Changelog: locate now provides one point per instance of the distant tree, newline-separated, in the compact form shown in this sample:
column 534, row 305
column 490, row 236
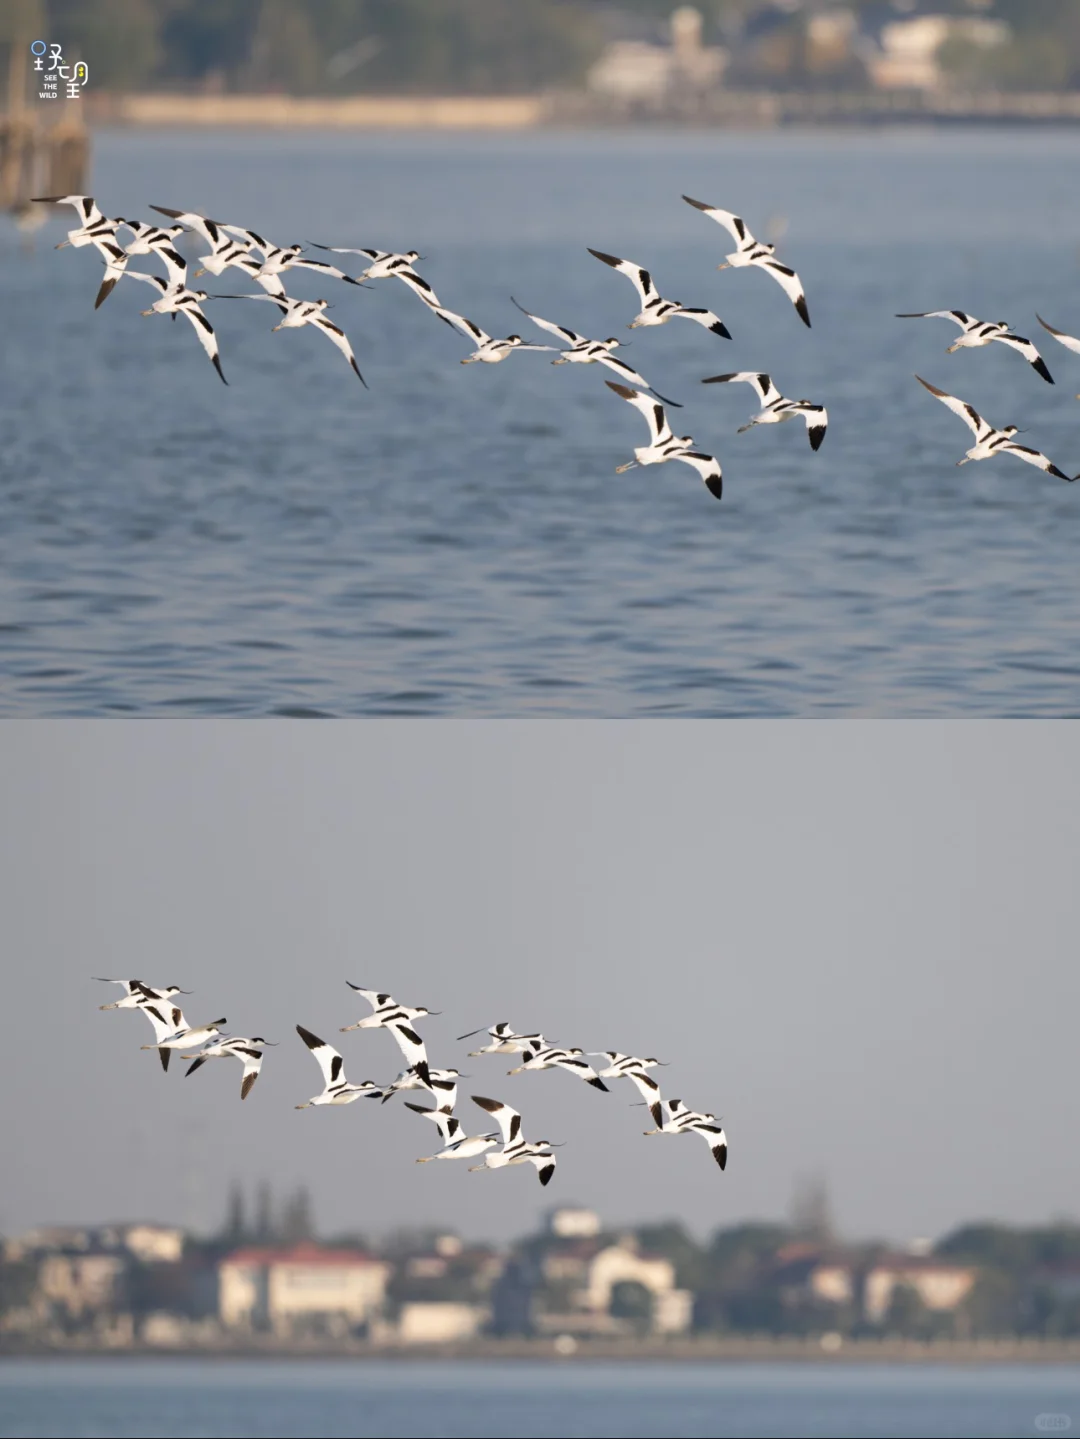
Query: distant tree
column 234, row 1230
column 118, row 39
column 296, row 1222
column 265, row 1229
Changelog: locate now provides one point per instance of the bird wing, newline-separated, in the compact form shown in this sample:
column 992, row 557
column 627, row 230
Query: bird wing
column 1033, row 457
column 817, row 422
column 715, row 1138
column 708, row 467
column 372, row 255
column 305, row 264
column 83, row 204
column 649, row 1090
column 508, row 1120
column 130, row 985
column 581, row 1069
column 166, row 1019
column 1069, row 341
column 175, row 264
column 207, row 339
column 958, row 317
column 1029, row 352
column 158, row 280
column 419, row 286
column 735, row 225
column 564, row 334
column 462, row 325
column 622, row 368
column 790, row 283
column 447, row 1124
column 207, row 228
column 250, row 236
column 412, row 1047
column 545, row 1165
column 378, row 999
column 327, row 1057
column 659, row 429
column 970, row 416
column 338, row 337
column 270, row 283
column 704, row 317
column 252, row 1060
column 767, row 392
column 640, row 278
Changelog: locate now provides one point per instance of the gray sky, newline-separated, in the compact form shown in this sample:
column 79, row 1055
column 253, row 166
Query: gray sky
column 854, row 941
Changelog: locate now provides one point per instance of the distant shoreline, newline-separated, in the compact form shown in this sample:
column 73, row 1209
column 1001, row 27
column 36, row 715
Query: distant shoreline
column 715, row 1351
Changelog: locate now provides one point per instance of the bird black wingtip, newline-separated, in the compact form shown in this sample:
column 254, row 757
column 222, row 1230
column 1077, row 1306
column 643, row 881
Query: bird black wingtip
column 715, row 488
column 598, row 1083
column 600, row 255
column 722, row 330
column 697, row 204
column 718, row 379
column 624, row 390
column 803, row 312
column 1039, row 366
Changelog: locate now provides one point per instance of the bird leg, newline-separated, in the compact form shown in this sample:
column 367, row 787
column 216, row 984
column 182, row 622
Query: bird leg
column 632, row 464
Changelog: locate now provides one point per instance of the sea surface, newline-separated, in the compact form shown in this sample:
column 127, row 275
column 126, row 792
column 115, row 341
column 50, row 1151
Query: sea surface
column 454, row 540
column 118, row 1398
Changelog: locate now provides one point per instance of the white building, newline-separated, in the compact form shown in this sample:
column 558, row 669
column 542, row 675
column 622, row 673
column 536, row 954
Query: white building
column 424, row 1322
column 286, row 1290
column 940, row 1285
column 634, row 72
column 672, row 1308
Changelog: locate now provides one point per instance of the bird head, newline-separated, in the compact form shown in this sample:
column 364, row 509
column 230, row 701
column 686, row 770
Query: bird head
column 612, row 343
column 514, row 340
column 1010, row 430
column 201, row 295
column 412, row 255
column 296, row 249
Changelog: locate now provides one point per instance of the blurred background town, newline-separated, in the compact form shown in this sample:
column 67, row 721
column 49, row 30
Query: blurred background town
column 266, row 1282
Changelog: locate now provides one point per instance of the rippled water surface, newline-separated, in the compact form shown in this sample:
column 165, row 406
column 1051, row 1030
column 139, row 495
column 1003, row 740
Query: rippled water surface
column 455, row 540
column 309, row 1397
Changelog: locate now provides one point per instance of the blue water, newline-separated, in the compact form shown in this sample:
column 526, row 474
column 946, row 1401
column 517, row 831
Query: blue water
column 456, row 541
column 654, row 1401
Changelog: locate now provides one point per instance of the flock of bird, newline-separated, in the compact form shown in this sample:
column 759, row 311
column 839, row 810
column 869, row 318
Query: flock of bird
column 264, row 263
column 497, row 1149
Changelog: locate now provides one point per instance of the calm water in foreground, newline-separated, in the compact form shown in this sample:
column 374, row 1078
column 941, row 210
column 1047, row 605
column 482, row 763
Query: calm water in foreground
column 309, row 1397
column 456, row 541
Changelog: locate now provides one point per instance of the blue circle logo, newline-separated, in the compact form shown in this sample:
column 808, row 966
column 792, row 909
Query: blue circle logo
column 38, row 47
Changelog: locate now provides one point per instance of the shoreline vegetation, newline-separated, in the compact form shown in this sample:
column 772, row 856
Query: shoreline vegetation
column 813, row 1349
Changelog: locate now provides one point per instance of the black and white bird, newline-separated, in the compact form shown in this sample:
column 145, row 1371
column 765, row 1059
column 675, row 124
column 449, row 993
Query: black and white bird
column 775, row 408
column 592, row 352
column 165, row 1020
column 664, row 446
column 755, row 252
column 297, row 313
column 336, row 1088
column 681, row 1120
column 515, row 1150
column 572, row 1060
column 628, row 1066
column 505, row 1040
column 1069, row 341
column 136, row 991
column 976, row 333
column 148, row 240
column 183, row 1035
column 388, row 265
column 225, row 250
column 988, row 440
column 385, row 1010
column 248, row 1051
column 488, row 351
column 456, row 1143
column 441, row 1084
column 279, row 258
column 174, row 298
column 655, row 310
column 95, row 228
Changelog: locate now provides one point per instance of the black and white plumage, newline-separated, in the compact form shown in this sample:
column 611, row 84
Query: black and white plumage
column 572, row 1060
column 225, row 249
column 248, row 1051
column 592, row 352
column 148, row 240
column 95, row 229
column 775, row 408
column 183, row 1035
column 165, row 1020
column 488, row 351
column 755, row 252
column 336, row 1088
column 174, row 298
column 456, row 1143
column 441, row 1084
column 385, row 1010
column 297, row 313
column 1069, row 341
column 515, row 1150
column 136, row 991
column 655, row 310
column 388, row 265
column 279, row 258
column 505, row 1040
column 664, row 446
column 988, row 440
column 976, row 333
column 628, row 1066
column 681, row 1120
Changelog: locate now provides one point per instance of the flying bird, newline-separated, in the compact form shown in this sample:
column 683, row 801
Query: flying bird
column 589, row 352
column 488, row 351
column 1069, row 341
column 135, row 991
column 755, row 252
column 655, row 310
column 504, row 1040
column 988, row 440
column 571, row 1060
column 248, row 1051
column 775, row 409
column 628, row 1066
column 336, row 1088
column 976, row 333
column 297, row 313
column 515, row 1149
column 664, row 446
column 681, row 1120
column 456, row 1143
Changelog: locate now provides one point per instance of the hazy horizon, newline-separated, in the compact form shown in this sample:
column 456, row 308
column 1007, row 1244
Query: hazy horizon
column 852, row 941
